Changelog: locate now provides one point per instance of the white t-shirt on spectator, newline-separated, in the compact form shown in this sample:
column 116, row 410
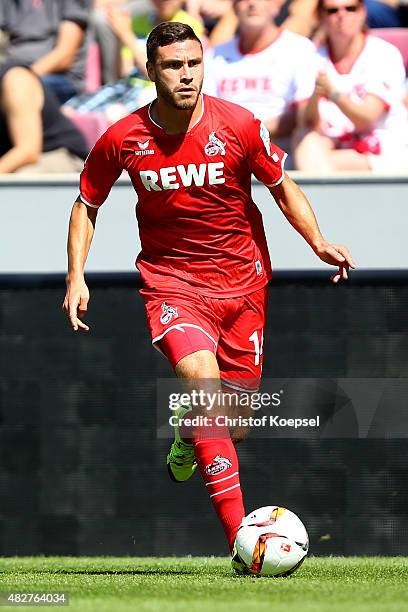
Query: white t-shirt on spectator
column 267, row 82
column 378, row 70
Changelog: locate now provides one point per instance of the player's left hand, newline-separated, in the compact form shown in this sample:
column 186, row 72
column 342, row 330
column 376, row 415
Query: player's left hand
column 336, row 255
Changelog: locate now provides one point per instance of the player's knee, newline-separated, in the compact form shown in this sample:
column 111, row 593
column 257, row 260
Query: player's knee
column 198, row 365
column 239, row 434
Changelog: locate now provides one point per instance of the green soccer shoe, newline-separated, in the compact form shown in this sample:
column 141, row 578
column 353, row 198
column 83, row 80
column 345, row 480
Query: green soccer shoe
column 181, row 463
column 236, row 563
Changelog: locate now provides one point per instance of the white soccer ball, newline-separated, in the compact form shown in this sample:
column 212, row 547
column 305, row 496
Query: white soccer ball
column 271, row 541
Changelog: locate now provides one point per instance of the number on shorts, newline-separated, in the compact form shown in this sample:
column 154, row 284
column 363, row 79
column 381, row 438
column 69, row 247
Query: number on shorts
column 258, row 346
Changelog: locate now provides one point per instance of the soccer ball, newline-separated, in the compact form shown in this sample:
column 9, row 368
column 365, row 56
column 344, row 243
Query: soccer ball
column 271, row 541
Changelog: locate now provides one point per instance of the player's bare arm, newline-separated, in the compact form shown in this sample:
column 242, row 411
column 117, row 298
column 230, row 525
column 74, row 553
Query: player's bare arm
column 81, row 230
column 296, row 208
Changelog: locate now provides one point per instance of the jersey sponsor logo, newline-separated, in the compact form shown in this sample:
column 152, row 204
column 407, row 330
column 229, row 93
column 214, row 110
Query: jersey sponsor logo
column 172, row 177
column 143, row 150
column 219, row 464
column 214, row 145
column 169, row 312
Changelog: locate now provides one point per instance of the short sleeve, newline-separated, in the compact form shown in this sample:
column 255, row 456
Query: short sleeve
column 102, row 168
column 265, row 159
column 77, row 11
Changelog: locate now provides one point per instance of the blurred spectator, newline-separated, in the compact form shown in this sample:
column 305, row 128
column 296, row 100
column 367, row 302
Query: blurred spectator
column 210, row 12
column 298, row 16
column 48, row 35
column 125, row 95
column 108, row 42
column 34, row 135
column 117, row 22
column 114, row 100
column 264, row 68
column 355, row 119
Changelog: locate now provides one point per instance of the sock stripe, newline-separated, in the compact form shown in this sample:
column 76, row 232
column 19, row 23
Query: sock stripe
column 226, row 495
column 225, row 490
column 220, row 479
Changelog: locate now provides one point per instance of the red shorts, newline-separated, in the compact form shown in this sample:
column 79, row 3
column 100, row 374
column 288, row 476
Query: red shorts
column 182, row 323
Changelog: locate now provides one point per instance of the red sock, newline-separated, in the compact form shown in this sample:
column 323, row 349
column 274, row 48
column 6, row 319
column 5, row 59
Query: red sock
column 218, row 464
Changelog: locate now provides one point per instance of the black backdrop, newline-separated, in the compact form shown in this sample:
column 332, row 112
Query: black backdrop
column 82, row 470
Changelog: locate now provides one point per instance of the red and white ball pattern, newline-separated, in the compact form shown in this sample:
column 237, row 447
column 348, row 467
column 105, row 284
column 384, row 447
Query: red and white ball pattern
column 272, row 541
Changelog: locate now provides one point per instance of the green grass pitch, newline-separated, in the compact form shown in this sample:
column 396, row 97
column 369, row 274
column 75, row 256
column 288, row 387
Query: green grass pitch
column 112, row 584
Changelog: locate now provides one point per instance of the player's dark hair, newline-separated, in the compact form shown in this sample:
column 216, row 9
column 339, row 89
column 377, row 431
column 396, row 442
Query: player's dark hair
column 167, row 33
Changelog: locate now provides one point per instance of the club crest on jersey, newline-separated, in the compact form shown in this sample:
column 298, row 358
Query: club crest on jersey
column 219, row 464
column 168, row 313
column 143, row 150
column 214, row 145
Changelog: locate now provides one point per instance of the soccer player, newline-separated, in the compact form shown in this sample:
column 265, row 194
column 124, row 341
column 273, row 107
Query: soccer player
column 204, row 261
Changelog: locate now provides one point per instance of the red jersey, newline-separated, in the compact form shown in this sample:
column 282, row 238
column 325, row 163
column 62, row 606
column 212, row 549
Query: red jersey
column 199, row 227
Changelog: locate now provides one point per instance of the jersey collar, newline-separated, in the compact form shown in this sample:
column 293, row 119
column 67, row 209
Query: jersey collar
column 192, row 127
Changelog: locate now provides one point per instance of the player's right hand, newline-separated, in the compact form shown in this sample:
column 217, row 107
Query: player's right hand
column 336, row 255
column 76, row 304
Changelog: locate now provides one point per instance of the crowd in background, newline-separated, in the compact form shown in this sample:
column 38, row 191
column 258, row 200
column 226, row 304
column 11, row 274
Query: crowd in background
column 329, row 90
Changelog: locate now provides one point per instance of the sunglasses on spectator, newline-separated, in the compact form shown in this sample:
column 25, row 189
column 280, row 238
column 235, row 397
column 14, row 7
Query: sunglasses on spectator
column 350, row 8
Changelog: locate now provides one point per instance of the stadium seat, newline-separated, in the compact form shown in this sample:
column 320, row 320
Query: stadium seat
column 397, row 37
column 91, row 125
